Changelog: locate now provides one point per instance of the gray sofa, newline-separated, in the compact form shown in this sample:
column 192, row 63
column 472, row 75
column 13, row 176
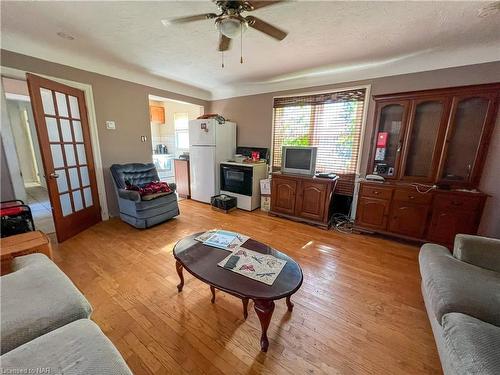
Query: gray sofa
column 135, row 210
column 45, row 324
column 462, row 296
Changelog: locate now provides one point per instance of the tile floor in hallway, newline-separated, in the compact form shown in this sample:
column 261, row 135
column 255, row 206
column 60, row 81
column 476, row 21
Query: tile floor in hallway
column 38, row 200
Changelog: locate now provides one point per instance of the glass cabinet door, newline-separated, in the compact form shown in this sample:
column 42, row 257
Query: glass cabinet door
column 388, row 140
column 463, row 139
column 425, row 128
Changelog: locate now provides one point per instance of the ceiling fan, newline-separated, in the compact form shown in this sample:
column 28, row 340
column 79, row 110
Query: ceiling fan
column 231, row 23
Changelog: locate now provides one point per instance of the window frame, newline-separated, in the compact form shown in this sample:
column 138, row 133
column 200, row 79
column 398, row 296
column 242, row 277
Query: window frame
column 367, row 89
column 181, row 130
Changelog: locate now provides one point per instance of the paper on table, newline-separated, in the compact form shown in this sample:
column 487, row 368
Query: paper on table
column 222, row 239
column 205, row 236
column 261, row 267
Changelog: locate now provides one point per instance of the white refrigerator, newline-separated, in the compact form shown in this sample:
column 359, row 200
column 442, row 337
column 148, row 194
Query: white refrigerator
column 210, row 143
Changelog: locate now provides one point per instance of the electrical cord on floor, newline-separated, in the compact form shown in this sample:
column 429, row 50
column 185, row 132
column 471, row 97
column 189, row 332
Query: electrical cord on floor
column 342, row 223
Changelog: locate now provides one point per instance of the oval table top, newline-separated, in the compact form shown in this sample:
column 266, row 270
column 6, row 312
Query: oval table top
column 201, row 261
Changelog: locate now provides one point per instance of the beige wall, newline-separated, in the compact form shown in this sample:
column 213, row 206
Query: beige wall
column 253, row 114
column 124, row 102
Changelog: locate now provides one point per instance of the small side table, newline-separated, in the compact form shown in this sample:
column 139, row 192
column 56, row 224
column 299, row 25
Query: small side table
column 23, row 244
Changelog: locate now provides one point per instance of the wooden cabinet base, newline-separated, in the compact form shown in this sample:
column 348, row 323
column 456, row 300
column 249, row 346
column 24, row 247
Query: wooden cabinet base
column 302, row 198
column 324, row 226
column 399, row 210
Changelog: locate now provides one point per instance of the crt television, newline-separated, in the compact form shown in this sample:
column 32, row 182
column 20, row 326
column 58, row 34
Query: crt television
column 298, row 160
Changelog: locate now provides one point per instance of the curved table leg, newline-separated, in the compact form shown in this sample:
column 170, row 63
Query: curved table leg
column 289, row 304
column 245, row 307
column 178, row 267
column 264, row 310
column 212, row 289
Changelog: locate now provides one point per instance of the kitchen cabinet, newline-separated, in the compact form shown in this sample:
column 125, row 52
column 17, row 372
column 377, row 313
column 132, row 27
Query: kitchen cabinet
column 157, row 114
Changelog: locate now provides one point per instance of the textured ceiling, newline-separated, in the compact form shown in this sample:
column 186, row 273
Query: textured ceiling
column 328, row 42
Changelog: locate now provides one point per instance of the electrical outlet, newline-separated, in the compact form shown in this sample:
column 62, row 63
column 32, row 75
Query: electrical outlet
column 110, row 125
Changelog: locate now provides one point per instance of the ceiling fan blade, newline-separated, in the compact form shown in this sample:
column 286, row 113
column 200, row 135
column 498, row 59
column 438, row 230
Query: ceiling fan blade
column 266, row 28
column 261, row 4
column 224, row 43
column 197, row 17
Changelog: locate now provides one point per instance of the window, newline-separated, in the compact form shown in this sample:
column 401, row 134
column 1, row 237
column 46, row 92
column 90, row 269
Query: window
column 331, row 122
column 181, row 123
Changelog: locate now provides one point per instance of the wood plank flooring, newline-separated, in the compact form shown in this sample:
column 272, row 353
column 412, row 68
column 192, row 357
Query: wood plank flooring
column 359, row 310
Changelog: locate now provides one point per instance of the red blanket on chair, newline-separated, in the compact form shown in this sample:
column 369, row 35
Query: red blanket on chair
column 151, row 188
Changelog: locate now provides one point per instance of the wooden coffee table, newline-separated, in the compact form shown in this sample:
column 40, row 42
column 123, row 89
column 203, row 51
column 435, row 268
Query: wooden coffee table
column 201, row 262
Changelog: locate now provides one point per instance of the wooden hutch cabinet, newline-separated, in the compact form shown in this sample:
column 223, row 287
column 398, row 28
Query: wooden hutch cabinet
column 302, row 198
column 430, row 147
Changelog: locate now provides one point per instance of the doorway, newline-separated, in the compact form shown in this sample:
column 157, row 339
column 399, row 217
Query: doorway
column 169, row 132
column 66, row 223
column 27, row 151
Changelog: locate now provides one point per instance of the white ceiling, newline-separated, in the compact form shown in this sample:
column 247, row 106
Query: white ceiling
column 328, row 42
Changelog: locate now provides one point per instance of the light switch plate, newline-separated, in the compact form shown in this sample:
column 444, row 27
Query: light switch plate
column 110, row 125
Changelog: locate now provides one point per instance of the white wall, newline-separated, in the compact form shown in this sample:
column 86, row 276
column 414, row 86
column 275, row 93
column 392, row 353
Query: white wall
column 22, row 138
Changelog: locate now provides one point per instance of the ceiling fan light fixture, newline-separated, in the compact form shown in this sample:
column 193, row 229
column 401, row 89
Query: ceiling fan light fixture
column 231, row 26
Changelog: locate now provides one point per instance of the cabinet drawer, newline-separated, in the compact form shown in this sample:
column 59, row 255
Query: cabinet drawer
column 405, row 195
column 462, row 202
column 376, row 192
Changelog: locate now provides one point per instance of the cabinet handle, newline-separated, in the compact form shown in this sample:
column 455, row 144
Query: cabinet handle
column 376, row 192
column 411, row 197
column 454, row 203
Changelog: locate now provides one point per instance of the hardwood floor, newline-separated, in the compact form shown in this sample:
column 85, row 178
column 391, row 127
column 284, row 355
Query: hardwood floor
column 359, row 310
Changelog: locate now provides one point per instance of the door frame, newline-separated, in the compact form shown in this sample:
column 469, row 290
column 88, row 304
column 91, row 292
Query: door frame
column 92, row 119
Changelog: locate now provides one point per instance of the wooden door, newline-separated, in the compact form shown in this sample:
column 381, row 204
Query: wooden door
column 391, row 119
column 468, row 134
column 372, row 213
column 283, row 195
column 408, row 219
column 63, row 133
column 311, row 200
column 446, row 224
column 425, row 135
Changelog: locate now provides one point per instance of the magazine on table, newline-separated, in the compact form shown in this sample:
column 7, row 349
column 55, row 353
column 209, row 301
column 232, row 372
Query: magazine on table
column 205, row 236
column 222, row 239
column 261, row 267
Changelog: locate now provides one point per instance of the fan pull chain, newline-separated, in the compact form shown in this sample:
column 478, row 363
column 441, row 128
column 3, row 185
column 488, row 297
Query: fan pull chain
column 222, row 57
column 241, row 43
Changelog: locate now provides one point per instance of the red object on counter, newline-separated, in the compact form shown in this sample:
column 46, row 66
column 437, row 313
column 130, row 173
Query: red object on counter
column 255, row 155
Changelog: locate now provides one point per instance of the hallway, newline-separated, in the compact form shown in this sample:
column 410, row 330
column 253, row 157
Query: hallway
column 38, row 200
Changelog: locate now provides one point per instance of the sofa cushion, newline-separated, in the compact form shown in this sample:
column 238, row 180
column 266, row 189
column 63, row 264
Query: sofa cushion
column 473, row 345
column 455, row 286
column 79, row 348
column 36, row 299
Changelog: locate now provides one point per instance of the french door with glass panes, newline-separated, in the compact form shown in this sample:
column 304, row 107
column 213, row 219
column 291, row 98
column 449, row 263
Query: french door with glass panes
column 63, row 133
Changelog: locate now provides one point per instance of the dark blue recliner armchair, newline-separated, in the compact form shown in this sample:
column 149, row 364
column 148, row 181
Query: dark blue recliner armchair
column 135, row 210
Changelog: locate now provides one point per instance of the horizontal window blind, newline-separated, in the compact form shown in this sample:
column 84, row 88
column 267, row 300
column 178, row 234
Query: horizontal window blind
column 331, row 122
